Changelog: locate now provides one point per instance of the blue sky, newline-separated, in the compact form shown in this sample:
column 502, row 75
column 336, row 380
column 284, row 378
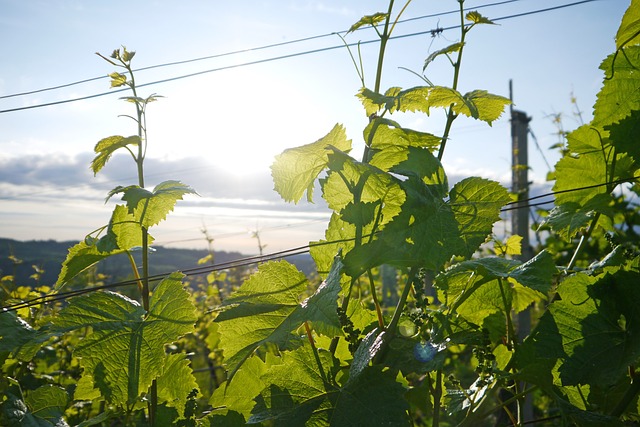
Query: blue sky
column 219, row 131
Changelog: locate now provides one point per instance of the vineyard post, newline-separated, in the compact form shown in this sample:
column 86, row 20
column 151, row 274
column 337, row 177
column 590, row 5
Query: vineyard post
column 520, row 217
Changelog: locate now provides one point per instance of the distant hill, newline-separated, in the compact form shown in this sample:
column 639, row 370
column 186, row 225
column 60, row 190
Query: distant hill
column 49, row 255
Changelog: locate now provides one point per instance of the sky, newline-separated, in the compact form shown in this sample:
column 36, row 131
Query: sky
column 218, row 131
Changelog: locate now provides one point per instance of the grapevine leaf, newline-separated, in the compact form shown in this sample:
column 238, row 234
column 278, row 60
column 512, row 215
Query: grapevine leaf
column 596, row 318
column 477, row 18
column 299, row 395
column 423, row 165
column 537, row 273
column 374, row 102
column 478, row 104
column 125, row 352
column 229, row 419
column 266, row 308
column 389, row 144
column 176, row 382
column 586, row 166
column 476, row 204
column 624, row 135
column 365, row 352
column 80, row 257
column 338, row 236
column 123, row 233
column 238, row 395
column 151, row 207
column 347, row 176
column 18, row 337
column 118, row 79
column 571, row 218
column 48, row 402
column 512, row 246
column 295, row 170
column 107, row 146
column 629, row 27
column 455, row 47
column 368, row 20
column 619, row 93
column 321, row 308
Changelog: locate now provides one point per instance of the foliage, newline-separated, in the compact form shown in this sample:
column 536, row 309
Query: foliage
column 436, row 342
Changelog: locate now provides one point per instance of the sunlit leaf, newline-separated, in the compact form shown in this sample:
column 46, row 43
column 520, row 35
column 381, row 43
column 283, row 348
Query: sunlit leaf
column 296, row 169
column 368, row 20
column 455, row 47
column 629, row 27
column 477, row 18
column 125, row 351
column 107, row 146
column 151, row 207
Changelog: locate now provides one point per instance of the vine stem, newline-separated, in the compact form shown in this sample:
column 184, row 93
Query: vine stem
column 401, row 303
column 451, row 116
column 323, row 375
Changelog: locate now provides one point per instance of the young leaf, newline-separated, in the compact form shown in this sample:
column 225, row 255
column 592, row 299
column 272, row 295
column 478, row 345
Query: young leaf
column 374, row 102
column 151, row 207
column 368, row 20
column 476, row 18
column 390, row 144
column 18, row 337
column 295, row 170
column 118, row 79
column 455, row 47
column 107, row 146
column 125, row 351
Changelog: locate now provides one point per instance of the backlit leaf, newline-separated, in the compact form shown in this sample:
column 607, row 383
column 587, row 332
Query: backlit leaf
column 296, row 169
column 267, row 308
column 151, row 207
column 107, row 146
column 176, row 381
column 477, row 18
column 476, row 204
column 298, row 394
column 630, row 26
column 48, row 402
column 368, row 20
column 125, row 351
column 455, row 47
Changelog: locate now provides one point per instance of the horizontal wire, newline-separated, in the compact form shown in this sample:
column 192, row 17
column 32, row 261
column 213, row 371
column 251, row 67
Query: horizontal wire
column 277, row 58
column 253, row 49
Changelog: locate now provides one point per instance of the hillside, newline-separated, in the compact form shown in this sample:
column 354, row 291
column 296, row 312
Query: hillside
column 48, row 255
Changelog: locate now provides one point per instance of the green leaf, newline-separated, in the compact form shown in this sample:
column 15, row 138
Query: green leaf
column 299, row 395
column 118, row 79
column 48, row 402
column 125, row 351
column 476, row 18
column 596, row 318
column 368, row 20
column 478, row 104
column 18, row 337
column 629, row 27
column 267, row 308
column 455, row 47
column 624, row 135
column 389, row 144
column 238, row 394
column 176, row 381
column 295, row 170
column 374, row 102
column 151, row 207
column 260, row 311
column 348, row 177
column 107, row 146
column 619, row 93
column 476, row 204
